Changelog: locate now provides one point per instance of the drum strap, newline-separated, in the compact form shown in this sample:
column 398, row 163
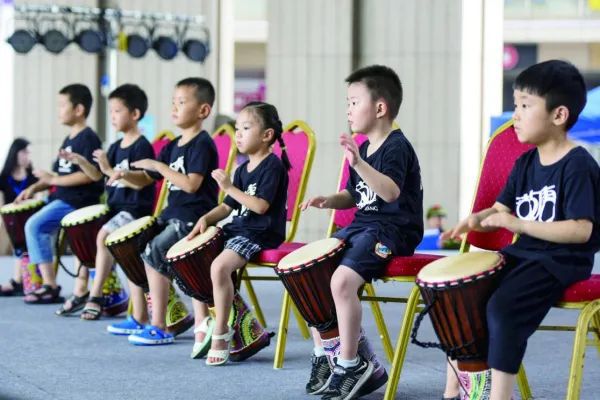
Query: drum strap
column 57, row 250
column 413, row 334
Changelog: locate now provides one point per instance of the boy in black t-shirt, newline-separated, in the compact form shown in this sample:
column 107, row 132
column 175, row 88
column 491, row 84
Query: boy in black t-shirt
column 186, row 164
column 74, row 189
column 385, row 186
column 554, row 192
column 127, row 105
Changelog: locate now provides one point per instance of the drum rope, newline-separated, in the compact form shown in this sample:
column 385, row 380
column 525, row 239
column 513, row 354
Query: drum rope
column 57, row 246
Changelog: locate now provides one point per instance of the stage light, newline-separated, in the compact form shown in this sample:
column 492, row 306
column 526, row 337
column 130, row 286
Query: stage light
column 54, row 41
column 137, row 45
column 195, row 49
column 165, row 47
column 89, row 39
column 22, row 40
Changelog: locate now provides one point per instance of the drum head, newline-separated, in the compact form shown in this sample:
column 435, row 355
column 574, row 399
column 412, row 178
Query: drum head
column 459, row 267
column 185, row 246
column 19, row 207
column 84, row 214
column 309, row 252
column 129, row 230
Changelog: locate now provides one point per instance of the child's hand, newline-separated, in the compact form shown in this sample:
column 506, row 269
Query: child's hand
column 199, row 228
column 24, row 195
column 464, row 226
column 222, row 179
column 503, row 220
column 350, row 149
column 317, row 202
column 73, row 157
column 146, row 163
column 114, row 177
column 43, row 176
column 100, row 157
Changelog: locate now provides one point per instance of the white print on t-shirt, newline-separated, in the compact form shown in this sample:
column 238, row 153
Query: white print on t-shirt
column 64, row 165
column 179, row 166
column 367, row 197
column 122, row 166
column 535, row 206
column 251, row 190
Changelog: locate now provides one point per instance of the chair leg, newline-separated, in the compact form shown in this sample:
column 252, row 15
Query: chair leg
column 61, row 248
column 380, row 322
column 523, row 384
column 302, row 326
column 578, row 357
column 283, row 330
column 254, row 301
column 596, row 327
column 402, row 343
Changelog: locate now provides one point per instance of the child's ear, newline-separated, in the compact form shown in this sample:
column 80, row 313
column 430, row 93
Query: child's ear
column 204, row 111
column 268, row 135
column 561, row 115
column 136, row 114
column 79, row 110
column 381, row 108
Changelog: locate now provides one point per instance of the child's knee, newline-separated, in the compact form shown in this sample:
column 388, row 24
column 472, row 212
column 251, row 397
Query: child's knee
column 341, row 286
column 218, row 270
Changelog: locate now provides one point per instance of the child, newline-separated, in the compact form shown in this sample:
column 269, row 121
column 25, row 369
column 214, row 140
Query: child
column 385, row 185
column 74, row 189
column 186, row 164
column 554, row 191
column 127, row 104
column 16, row 175
column 258, row 194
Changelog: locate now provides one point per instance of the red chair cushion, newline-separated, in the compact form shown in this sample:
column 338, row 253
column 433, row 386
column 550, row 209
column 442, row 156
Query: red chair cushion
column 273, row 256
column 587, row 290
column 408, row 266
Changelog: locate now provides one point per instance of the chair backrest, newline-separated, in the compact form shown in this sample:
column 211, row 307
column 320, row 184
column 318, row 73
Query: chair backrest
column 300, row 146
column 342, row 218
column 158, row 143
column 224, row 138
column 502, row 151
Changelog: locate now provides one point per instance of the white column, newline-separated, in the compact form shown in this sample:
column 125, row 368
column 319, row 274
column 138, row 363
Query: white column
column 226, row 65
column 7, row 55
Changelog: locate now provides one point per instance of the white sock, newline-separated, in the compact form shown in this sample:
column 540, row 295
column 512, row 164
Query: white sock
column 348, row 363
column 319, row 351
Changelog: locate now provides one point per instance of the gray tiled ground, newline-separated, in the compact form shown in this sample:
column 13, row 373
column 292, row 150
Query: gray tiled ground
column 47, row 357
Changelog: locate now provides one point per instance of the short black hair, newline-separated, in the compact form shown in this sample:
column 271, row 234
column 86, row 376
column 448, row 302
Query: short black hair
column 79, row 94
column 205, row 92
column 383, row 83
column 132, row 96
column 559, row 82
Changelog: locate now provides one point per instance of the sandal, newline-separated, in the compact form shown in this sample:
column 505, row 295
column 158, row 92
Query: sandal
column 222, row 354
column 77, row 303
column 90, row 313
column 45, row 295
column 16, row 290
column 201, row 348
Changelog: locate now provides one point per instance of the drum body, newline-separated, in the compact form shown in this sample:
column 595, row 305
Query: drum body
column 456, row 291
column 14, row 216
column 127, row 243
column 81, row 229
column 191, row 261
column 306, row 274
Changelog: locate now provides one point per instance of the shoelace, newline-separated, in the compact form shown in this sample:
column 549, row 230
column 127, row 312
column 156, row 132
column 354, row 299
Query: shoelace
column 316, row 368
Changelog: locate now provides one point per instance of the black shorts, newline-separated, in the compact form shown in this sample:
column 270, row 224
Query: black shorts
column 364, row 253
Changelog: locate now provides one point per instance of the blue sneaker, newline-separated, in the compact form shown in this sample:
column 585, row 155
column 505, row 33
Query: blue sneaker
column 151, row 336
column 128, row 327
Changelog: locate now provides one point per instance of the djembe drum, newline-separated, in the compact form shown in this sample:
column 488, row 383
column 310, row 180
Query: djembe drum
column 81, row 229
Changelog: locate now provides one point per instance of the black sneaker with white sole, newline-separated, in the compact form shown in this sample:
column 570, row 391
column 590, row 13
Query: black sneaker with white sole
column 346, row 383
column 320, row 375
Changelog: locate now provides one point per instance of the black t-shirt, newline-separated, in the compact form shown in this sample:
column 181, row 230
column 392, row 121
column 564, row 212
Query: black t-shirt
column 268, row 181
column 198, row 156
column 11, row 188
column 569, row 189
column 120, row 197
column 399, row 224
column 84, row 144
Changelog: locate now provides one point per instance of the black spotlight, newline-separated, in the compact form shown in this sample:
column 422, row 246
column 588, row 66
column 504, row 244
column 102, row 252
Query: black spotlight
column 137, row 45
column 90, row 40
column 165, row 47
column 22, row 40
column 195, row 49
column 54, row 41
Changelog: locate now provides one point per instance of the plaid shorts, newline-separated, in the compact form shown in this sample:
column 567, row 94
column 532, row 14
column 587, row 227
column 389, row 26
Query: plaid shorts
column 120, row 219
column 243, row 246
